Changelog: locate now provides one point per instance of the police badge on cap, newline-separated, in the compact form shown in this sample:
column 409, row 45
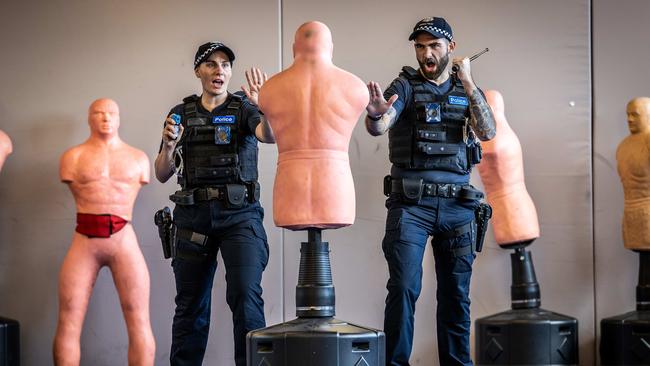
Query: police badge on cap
column 437, row 27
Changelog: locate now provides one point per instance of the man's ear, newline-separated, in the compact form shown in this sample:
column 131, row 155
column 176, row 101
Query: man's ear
column 452, row 46
column 196, row 72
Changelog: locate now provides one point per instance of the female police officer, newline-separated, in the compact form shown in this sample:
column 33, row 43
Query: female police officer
column 213, row 150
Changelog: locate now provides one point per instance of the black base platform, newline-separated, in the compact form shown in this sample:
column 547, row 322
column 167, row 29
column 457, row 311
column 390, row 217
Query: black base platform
column 625, row 339
column 9, row 342
column 316, row 342
column 527, row 337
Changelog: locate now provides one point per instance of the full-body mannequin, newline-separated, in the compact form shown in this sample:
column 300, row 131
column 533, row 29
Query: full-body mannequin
column 514, row 218
column 312, row 108
column 104, row 175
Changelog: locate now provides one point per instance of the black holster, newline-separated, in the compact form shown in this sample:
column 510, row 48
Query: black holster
column 166, row 231
column 483, row 214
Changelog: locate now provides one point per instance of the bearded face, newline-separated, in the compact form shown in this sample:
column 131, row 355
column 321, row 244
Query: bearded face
column 432, row 55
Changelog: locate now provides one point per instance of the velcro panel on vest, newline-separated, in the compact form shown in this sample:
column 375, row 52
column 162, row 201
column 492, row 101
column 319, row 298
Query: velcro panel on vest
column 208, row 156
column 438, row 149
column 427, row 97
column 196, row 121
column 211, row 173
column 432, row 135
column 454, row 112
column 400, row 142
column 224, row 160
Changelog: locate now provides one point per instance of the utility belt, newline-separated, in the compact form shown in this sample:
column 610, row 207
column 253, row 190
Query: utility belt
column 412, row 190
column 234, row 195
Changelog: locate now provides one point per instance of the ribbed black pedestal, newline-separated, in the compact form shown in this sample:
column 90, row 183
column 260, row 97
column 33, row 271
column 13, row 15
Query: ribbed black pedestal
column 526, row 334
column 316, row 338
column 527, row 337
column 9, row 342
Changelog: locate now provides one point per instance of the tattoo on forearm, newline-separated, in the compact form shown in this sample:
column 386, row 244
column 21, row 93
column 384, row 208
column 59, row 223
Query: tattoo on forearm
column 383, row 124
column 482, row 119
column 390, row 117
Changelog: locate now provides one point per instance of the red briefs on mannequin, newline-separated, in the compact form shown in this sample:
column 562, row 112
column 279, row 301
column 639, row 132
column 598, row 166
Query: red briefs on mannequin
column 99, row 226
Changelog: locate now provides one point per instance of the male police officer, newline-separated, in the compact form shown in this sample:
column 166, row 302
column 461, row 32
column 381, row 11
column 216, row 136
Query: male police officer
column 214, row 153
column 433, row 118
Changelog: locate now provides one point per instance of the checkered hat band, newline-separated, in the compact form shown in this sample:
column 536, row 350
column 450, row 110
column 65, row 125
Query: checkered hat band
column 435, row 29
column 206, row 53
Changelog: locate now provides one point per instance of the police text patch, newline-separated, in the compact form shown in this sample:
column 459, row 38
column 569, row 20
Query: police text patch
column 458, row 100
column 223, row 119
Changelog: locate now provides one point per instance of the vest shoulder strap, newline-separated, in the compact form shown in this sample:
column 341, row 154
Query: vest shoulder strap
column 236, row 101
column 410, row 73
column 457, row 84
column 191, row 98
column 190, row 108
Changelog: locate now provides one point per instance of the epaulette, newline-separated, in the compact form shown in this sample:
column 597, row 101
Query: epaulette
column 191, row 98
column 410, row 72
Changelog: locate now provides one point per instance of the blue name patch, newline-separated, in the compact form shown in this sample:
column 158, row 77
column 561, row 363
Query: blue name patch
column 458, row 100
column 223, row 119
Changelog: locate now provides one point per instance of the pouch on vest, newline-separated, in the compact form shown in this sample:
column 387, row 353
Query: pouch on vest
column 184, row 198
column 236, row 194
column 412, row 189
column 254, row 191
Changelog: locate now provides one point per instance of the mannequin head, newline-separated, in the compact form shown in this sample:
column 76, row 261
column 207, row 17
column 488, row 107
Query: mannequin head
column 638, row 115
column 313, row 40
column 104, row 118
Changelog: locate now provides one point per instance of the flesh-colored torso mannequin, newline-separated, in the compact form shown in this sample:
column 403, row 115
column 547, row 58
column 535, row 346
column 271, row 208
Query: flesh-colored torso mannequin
column 633, row 164
column 312, row 108
column 5, row 148
column 104, row 175
column 514, row 218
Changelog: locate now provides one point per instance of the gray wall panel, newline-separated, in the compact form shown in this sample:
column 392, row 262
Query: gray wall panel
column 60, row 55
column 621, row 57
column 539, row 60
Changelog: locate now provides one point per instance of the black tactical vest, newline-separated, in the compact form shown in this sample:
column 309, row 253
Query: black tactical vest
column 432, row 132
column 213, row 149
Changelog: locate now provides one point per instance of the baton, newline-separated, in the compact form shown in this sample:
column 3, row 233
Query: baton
column 455, row 67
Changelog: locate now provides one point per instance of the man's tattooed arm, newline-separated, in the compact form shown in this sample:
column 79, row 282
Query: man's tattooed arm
column 383, row 124
column 481, row 117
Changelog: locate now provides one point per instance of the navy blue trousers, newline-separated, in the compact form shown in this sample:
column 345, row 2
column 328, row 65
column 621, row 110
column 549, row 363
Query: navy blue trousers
column 408, row 228
column 240, row 236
